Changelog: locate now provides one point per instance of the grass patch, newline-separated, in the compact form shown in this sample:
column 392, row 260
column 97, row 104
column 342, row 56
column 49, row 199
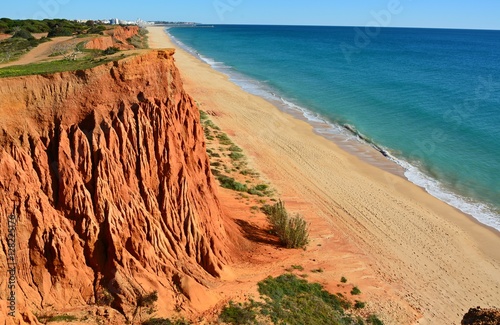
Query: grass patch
column 52, row 67
column 58, row 318
column 298, row 267
column 320, row 270
column 292, row 231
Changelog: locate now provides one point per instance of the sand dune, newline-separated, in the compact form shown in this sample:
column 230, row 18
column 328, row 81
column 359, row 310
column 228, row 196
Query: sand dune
column 416, row 259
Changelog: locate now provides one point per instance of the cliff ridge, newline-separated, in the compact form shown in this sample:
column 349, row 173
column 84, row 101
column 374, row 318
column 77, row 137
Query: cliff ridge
column 107, row 173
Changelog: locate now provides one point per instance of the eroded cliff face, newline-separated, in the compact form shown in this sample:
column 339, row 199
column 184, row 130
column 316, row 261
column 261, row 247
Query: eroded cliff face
column 109, row 177
column 117, row 37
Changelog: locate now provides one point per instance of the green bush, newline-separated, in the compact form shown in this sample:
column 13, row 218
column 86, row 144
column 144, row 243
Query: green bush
column 60, row 31
column 110, row 50
column 261, row 187
column 359, row 304
column 58, row 318
column 343, row 279
column 239, row 313
column 294, row 301
column 224, row 139
column 236, row 155
column 287, row 299
column 22, row 33
column 99, row 29
column 293, row 232
column 355, row 291
column 231, row 183
column 235, row 148
column 147, row 299
column 373, row 319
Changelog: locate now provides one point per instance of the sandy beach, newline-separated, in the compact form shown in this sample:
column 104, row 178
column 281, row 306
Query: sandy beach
column 416, row 259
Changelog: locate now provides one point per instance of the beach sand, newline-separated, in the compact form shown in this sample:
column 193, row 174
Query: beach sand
column 416, row 259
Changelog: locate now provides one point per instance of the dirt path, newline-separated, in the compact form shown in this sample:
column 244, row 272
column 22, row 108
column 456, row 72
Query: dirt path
column 39, row 53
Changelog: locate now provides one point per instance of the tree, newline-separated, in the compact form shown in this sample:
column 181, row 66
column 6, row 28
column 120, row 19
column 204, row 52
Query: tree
column 22, row 33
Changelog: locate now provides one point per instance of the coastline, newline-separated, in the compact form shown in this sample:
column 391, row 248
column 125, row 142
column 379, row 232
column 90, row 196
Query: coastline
column 350, row 139
column 436, row 259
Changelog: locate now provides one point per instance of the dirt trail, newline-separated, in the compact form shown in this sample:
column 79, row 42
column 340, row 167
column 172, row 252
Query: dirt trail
column 39, row 53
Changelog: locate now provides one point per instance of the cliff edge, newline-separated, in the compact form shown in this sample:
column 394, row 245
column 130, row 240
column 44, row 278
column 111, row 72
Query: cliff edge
column 107, row 174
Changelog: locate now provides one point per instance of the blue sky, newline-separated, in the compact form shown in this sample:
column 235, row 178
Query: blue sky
column 477, row 14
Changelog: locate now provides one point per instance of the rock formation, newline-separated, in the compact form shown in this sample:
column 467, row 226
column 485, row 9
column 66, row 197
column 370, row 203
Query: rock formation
column 107, row 173
column 479, row 316
column 117, row 38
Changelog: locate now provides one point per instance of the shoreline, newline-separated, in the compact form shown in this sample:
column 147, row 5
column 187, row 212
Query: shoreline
column 349, row 139
column 405, row 235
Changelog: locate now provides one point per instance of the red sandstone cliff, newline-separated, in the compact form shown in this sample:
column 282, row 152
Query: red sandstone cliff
column 117, row 38
column 113, row 189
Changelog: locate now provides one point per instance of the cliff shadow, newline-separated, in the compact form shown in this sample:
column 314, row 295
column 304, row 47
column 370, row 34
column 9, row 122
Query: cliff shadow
column 256, row 234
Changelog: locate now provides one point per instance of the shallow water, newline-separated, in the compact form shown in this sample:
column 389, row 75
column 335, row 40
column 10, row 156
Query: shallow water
column 428, row 99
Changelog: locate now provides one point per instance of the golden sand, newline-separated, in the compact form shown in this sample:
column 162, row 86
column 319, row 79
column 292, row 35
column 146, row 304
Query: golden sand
column 416, row 259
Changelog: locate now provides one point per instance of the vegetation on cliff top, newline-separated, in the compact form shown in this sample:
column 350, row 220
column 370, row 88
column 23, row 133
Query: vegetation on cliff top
column 53, row 66
column 55, row 27
column 75, row 58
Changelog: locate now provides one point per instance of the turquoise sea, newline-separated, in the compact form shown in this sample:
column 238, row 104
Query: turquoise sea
column 429, row 99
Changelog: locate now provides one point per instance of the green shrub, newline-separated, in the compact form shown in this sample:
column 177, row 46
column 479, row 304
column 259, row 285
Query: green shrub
column 224, row 139
column 58, row 318
column 320, row 270
column 239, row 313
column 203, row 116
column 235, row 148
column 261, row 187
column 293, row 232
column 294, row 301
column 110, row 50
column 355, row 291
column 343, row 279
column 373, row 319
column 60, row 31
column 147, row 299
column 99, row 29
column 359, row 304
column 22, row 33
column 236, row 155
column 287, row 299
column 231, row 183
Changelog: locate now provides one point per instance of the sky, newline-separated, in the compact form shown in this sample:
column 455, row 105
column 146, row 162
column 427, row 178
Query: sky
column 469, row 14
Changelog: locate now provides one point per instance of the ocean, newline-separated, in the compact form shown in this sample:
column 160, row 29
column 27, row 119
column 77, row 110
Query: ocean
column 428, row 99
